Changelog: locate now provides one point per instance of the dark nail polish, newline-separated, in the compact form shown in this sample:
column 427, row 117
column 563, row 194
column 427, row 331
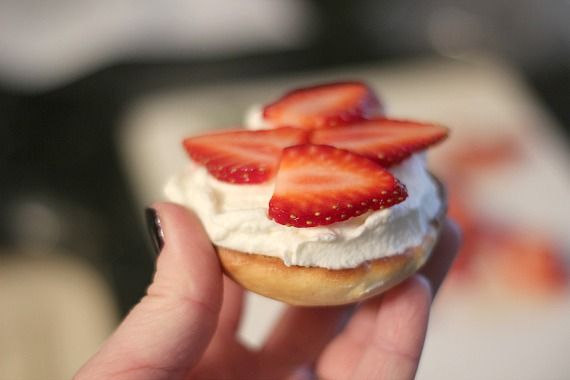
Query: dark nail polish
column 154, row 229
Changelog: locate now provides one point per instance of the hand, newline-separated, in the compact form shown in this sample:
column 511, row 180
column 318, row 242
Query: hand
column 185, row 327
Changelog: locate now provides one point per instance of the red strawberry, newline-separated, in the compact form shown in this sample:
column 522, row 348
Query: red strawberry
column 530, row 262
column 323, row 105
column 241, row 156
column 384, row 140
column 318, row 185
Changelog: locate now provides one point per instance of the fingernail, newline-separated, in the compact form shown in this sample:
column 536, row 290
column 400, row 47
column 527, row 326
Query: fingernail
column 303, row 373
column 346, row 316
column 453, row 226
column 154, row 229
column 426, row 283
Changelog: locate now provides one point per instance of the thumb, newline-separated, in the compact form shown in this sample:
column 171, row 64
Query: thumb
column 165, row 335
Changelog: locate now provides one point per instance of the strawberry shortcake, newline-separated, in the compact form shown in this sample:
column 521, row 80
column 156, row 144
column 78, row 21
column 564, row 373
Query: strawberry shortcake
column 323, row 201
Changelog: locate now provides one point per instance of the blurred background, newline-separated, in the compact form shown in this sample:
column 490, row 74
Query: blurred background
column 96, row 94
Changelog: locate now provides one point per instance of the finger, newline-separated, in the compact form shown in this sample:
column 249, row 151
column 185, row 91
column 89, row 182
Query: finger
column 384, row 338
column 443, row 255
column 167, row 332
column 225, row 357
column 230, row 316
column 298, row 339
column 232, row 306
column 394, row 349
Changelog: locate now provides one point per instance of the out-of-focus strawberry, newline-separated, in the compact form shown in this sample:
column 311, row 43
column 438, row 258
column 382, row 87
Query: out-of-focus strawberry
column 323, row 106
column 532, row 263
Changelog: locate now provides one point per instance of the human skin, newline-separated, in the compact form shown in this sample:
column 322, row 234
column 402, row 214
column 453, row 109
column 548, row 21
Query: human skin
column 185, row 327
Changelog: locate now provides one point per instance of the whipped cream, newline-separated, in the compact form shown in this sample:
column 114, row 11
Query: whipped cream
column 254, row 118
column 235, row 217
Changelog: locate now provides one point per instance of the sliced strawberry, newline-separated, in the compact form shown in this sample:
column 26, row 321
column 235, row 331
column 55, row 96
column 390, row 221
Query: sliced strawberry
column 240, row 156
column 323, row 105
column 384, row 140
column 318, row 185
column 531, row 262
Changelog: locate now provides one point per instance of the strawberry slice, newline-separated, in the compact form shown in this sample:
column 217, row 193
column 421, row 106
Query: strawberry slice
column 531, row 262
column 386, row 141
column 323, row 105
column 318, row 185
column 240, row 156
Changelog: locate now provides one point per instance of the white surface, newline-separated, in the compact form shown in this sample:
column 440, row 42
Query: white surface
column 474, row 335
column 482, row 98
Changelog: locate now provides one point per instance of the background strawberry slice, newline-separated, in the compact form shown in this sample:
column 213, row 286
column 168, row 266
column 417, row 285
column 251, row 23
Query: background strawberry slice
column 386, row 141
column 318, row 185
column 240, row 156
column 323, row 105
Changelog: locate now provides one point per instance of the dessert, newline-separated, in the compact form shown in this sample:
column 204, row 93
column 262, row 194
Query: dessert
column 329, row 204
